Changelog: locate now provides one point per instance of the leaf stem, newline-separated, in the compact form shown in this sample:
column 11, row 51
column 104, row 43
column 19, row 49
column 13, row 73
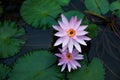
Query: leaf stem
column 96, row 15
column 66, row 75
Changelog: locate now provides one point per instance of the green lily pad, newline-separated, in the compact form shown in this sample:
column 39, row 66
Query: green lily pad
column 4, row 70
column 117, row 13
column 69, row 14
column 115, row 7
column 97, row 6
column 93, row 30
column 36, row 65
column 94, row 71
column 62, row 2
column 9, row 43
column 41, row 13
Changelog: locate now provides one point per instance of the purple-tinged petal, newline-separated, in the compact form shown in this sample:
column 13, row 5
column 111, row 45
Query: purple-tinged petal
column 70, row 46
column 73, row 65
column 60, row 63
column 75, row 52
column 79, row 33
column 58, row 55
column 60, row 50
column 63, row 67
column 77, row 24
column 77, row 46
column 73, row 21
column 83, row 27
column 62, row 25
column 64, row 20
column 64, row 48
column 76, row 63
column 60, row 34
column 58, row 28
column 78, row 57
column 85, row 38
column 65, row 41
column 58, row 42
column 69, row 67
column 81, row 41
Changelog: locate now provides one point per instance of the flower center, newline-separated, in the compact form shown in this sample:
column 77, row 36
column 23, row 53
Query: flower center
column 71, row 32
column 69, row 56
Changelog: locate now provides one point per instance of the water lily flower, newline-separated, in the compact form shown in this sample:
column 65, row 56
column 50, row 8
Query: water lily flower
column 68, row 59
column 71, row 34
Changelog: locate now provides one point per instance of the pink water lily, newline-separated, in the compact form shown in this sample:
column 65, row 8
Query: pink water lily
column 71, row 34
column 69, row 60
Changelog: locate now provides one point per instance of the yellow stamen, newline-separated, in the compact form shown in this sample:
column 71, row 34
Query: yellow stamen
column 71, row 32
column 69, row 56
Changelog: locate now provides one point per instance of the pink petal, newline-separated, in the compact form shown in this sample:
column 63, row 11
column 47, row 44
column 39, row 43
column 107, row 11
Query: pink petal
column 60, row 50
column 77, row 46
column 70, row 45
column 77, row 64
column 73, row 65
column 81, row 41
column 78, row 57
column 64, row 20
column 69, row 67
column 85, row 38
column 78, row 24
column 65, row 41
column 79, row 33
column 75, row 52
column 63, row 67
column 64, row 48
column 83, row 27
column 58, row 28
column 62, row 25
column 58, row 55
column 60, row 34
column 73, row 21
column 60, row 63
column 58, row 42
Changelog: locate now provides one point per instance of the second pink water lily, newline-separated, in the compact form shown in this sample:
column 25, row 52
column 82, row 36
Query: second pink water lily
column 71, row 33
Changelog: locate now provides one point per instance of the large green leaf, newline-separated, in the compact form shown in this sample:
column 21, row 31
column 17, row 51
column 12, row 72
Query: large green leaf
column 40, row 13
column 36, row 65
column 115, row 7
column 97, row 6
column 94, row 71
column 9, row 44
column 117, row 13
column 69, row 14
column 62, row 2
column 93, row 30
column 4, row 70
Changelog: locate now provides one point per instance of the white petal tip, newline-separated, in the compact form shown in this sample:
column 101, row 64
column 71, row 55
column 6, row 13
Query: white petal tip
column 56, row 44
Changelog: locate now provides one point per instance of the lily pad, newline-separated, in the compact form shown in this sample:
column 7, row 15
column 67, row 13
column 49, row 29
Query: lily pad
column 36, row 65
column 94, row 71
column 41, row 13
column 115, row 7
column 4, row 70
column 69, row 14
column 9, row 42
column 97, row 6
column 62, row 2
column 93, row 30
